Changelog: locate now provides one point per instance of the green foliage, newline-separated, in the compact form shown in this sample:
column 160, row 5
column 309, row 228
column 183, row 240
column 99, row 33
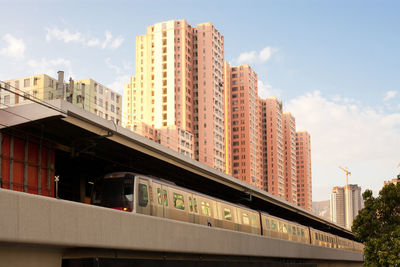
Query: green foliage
column 378, row 227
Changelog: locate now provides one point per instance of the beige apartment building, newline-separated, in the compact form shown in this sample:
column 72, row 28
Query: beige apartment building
column 289, row 157
column 41, row 87
column 87, row 94
column 303, row 170
column 179, row 69
column 337, row 205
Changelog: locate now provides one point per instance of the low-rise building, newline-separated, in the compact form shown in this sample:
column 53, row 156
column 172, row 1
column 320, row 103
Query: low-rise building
column 87, row 94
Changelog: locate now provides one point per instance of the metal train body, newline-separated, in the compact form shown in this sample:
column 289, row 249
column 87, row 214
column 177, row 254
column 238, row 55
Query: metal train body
column 155, row 197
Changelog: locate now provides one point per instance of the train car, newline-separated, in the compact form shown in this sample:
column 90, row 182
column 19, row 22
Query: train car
column 359, row 247
column 321, row 238
column 156, row 197
column 346, row 244
column 131, row 192
column 279, row 228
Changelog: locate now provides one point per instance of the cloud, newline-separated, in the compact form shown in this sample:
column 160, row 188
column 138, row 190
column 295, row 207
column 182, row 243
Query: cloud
column 256, row 57
column 93, row 42
column 347, row 133
column 118, row 84
column 112, row 66
column 15, row 47
column 51, row 66
column 109, row 42
column 389, row 95
column 266, row 90
column 67, row 36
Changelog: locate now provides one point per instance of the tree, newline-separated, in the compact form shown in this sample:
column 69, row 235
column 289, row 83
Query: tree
column 377, row 226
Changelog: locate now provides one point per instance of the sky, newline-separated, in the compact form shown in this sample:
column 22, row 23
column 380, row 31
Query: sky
column 334, row 64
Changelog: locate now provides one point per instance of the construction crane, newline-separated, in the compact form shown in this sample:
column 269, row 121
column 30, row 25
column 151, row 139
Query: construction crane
column 347, row 174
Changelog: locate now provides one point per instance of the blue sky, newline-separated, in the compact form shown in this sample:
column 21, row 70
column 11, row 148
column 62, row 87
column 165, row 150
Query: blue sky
column 335, row 64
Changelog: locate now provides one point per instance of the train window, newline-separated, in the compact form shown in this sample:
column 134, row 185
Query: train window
column 159, row 196
column 267, row 223
column 294, row 230
column 165, row 198
column 273, row 225
column 195, row 204
column 302, row 232
column 284, row 228
column 246, row 219
column 143, row 195
column 178, row 201
column 205, row 208
column 190, row 204
column 227, row 214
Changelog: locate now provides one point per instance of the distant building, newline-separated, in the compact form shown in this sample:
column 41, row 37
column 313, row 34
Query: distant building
column 87, row 94
column 393, row 181
column 345, row 204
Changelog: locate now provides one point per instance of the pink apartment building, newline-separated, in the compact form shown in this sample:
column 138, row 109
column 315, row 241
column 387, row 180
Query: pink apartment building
column 246, row 153
column 289, row 157
column 303, row 160
column 209, row 96
column 273, row 161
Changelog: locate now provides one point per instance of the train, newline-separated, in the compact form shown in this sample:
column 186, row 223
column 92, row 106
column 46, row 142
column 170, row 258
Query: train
column 132, row 192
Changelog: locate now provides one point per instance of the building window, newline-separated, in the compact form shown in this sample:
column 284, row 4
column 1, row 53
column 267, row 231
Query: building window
column 27, row 82
column 6, row 99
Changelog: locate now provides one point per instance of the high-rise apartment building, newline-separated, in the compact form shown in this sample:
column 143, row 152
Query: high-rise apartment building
column 345, row 204
column 272, row 145
column 86, row 94
column 209, row 95
column 353, row 203
column 337, row 206
column 186, row 97
column 245, row 126
column 303, row 166
column 179, row 86
column 228, row 118
column 289, row 157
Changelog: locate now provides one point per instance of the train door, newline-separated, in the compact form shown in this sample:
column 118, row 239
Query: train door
column 193, row 209
column 227, row 216
column 205, row 210
column 157, row 200
column 143, row 204
column 244, row 220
